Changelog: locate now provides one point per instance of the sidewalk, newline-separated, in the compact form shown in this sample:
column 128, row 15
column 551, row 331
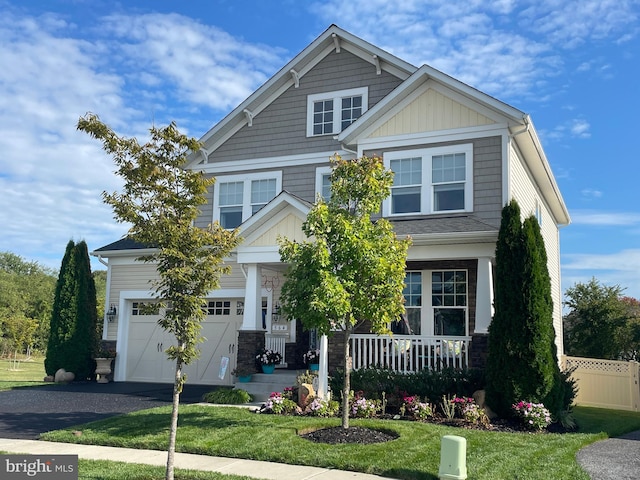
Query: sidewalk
column 251, row 468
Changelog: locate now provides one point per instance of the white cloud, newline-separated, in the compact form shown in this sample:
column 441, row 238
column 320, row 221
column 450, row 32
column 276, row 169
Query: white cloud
column 52, row 176
column 580, row 128
column 576, row 128
column 619, row 268
column 606, row 219
column 205, row 64
column 591, row 193
column 475, row 41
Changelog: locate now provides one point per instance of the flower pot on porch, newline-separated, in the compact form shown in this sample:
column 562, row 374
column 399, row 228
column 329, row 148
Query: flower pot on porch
column 314, row 367
column 268, row 368
column 103, row 369
column 244, row 378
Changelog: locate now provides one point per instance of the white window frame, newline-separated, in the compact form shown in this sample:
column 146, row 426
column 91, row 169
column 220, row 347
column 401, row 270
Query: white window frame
column 427, row 187
column 427, row 309
column 320, row 173
column 337, row 97
column 246, row 193
column 429, row 316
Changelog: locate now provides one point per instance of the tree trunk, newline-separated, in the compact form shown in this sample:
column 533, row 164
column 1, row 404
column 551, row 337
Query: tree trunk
column 177, row 389
column 347, row 378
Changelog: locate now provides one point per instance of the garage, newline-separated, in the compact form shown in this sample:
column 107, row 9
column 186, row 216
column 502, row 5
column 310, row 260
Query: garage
column 146, row 360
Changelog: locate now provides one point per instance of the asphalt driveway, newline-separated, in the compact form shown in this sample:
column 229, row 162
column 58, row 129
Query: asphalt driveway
column 25, row 413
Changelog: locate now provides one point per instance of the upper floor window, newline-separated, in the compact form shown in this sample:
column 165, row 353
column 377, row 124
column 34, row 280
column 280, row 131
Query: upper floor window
column 323, row 182
column 237, row 197
column 430, row 180
column 331, row 112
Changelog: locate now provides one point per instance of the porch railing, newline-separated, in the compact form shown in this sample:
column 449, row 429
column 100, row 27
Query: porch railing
column 277, row 343
column 409, row 353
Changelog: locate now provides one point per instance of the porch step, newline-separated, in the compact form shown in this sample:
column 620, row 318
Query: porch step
column 262, row 384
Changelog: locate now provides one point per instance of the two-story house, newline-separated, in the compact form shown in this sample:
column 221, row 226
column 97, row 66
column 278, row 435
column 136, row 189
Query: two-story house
column 458, row 156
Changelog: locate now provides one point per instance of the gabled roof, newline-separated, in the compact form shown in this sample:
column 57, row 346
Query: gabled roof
column 519, row 124
column 282, row 216
column 334, row 38
column 374, row 115
column 265, row 215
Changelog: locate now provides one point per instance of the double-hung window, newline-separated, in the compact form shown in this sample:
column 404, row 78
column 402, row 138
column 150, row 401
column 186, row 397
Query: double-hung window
column 323, row 182
column 237, row 197
column 436, row 303
column 433, row 180
column 330, row 113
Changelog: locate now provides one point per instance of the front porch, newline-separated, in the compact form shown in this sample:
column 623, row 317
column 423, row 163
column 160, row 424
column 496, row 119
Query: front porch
column 409, row 353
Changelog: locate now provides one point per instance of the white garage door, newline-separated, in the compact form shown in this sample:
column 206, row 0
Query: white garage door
column 147, row 360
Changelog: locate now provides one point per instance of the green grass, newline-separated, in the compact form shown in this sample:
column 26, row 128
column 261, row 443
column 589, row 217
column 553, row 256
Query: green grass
column 107, row 470
column 234, row 432
column 23, row 373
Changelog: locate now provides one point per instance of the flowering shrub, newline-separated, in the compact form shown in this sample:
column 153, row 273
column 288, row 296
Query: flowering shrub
column 417, row 409
column 312, row 356
column 278, row 403
column 535, row 416
column 472, row 413
column 363, row 408
column 465, row 408
column 289, row 392
column 268, row 357
column 323, row 408
column 459, row 403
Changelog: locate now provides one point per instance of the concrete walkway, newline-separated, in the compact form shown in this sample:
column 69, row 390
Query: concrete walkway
column 235, row 466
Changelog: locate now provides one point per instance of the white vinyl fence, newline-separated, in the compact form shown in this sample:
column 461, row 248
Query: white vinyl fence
column 605, row 383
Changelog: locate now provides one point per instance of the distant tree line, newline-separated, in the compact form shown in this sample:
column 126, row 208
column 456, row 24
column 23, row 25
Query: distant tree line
column 27, row 291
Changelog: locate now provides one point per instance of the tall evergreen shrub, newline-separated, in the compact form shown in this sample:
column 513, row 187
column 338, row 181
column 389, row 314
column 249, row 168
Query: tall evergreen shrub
column 522, row 363
column 72, row 336
column 539, row 356
column 505, row 334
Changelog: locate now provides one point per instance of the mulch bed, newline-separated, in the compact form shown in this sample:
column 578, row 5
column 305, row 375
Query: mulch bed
column 363, row 436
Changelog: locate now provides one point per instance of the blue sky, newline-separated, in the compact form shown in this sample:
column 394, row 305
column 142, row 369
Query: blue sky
column 572, row 65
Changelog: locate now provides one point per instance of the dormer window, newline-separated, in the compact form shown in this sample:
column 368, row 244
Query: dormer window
column 330, row 113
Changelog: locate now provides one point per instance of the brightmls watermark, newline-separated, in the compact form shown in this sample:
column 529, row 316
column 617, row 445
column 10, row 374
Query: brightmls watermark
column 50, row 467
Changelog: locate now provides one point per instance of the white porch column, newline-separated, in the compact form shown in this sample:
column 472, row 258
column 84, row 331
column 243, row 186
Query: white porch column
column 484, row 295
column 252, row 317
column 323, row 371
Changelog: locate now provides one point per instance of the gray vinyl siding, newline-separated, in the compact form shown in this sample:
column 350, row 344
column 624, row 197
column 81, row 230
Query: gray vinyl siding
column 487, row 175
column 487, row 179
column 301, row 180
column 281, row 128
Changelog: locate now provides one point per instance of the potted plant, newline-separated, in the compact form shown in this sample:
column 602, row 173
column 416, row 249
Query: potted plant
column 312, row 359
column 268, row 359
column 243, row 373
column 105, row 353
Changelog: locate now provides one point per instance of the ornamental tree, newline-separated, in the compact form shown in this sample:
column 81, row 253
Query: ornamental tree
column 161, row 200
column 352, row 268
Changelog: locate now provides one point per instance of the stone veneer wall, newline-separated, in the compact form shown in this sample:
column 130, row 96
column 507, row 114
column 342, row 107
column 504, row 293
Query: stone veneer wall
column 249, row 342
column 479, row 350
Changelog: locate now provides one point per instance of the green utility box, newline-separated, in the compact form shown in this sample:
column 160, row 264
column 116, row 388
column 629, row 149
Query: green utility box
column 453, row 458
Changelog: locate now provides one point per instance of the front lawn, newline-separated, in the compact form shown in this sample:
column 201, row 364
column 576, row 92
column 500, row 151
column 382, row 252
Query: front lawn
column 21, row 373
column 236, row 432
